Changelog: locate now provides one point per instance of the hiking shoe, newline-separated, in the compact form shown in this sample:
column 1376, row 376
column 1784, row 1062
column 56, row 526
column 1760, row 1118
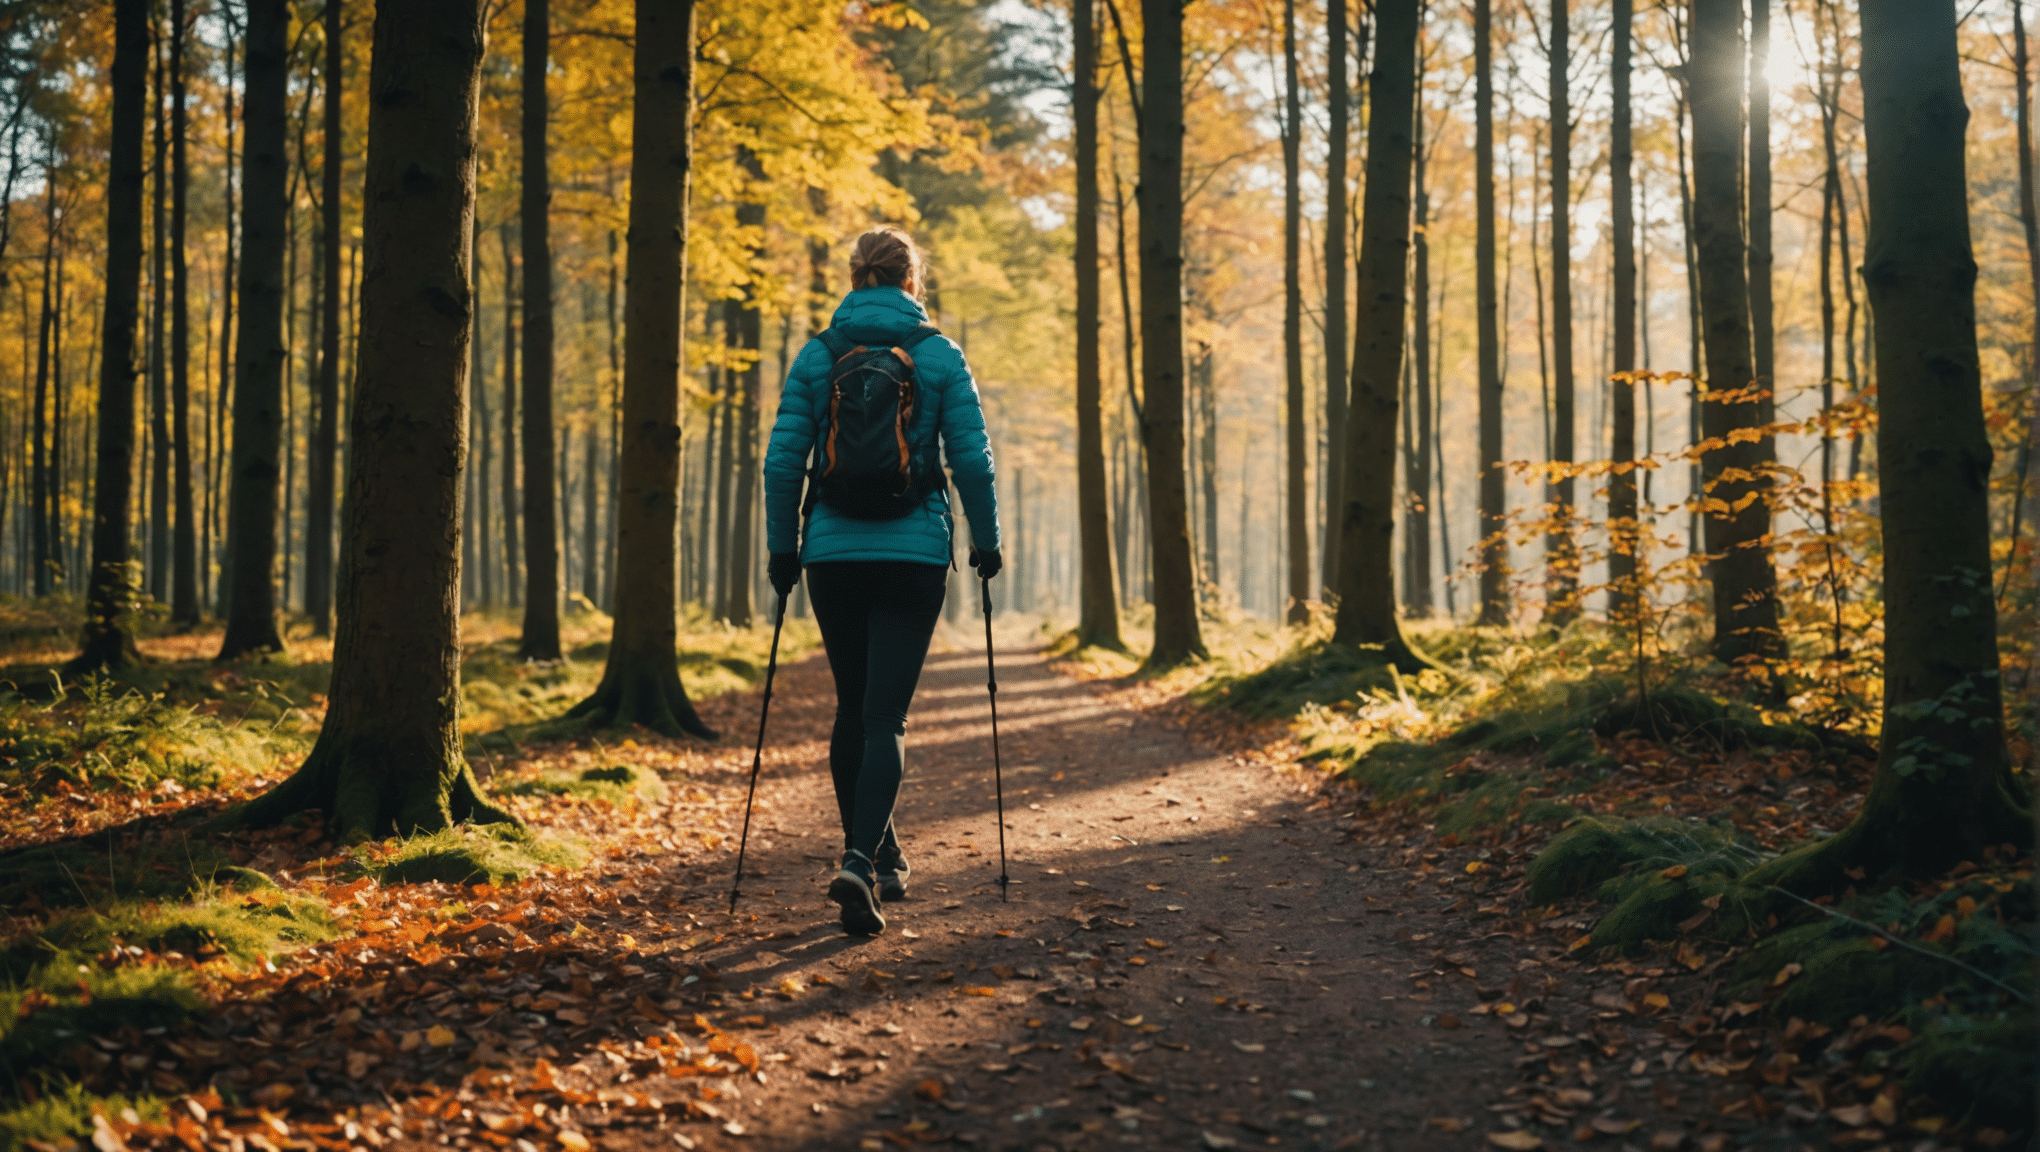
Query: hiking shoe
column 892, row 875
column 853, row 889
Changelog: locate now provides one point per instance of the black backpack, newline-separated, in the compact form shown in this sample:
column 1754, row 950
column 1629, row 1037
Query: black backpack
column 864, row 465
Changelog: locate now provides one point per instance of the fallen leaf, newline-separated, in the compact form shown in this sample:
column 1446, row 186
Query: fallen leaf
column 1246, row 1047
column 573, row 1141
column 1674, row 872
column 1609, row 1126
column 1447, row 1123
column 930, row 1089
column 1854, row 1115
column 1786, row 973
column 1157, row 945
column 1216, row 1143
column 1448, row 1021
column 440, row 1036
column 359, row 1062
column 1517, row 1139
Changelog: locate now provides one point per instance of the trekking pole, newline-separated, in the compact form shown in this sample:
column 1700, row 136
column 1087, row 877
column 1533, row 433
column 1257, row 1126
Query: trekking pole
column 758, row 756
column 998, row 781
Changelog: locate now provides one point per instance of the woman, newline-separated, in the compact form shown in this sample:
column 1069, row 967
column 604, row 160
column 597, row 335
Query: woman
column 876, row 572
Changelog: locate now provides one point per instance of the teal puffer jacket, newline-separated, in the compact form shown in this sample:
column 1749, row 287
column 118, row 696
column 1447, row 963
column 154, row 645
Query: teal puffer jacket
column 948, row 405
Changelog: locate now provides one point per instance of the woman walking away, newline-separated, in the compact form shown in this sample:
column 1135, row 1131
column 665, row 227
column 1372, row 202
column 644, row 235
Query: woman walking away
column 866, row 401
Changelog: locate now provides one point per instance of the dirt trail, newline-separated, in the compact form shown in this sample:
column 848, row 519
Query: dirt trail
column 1190, row 957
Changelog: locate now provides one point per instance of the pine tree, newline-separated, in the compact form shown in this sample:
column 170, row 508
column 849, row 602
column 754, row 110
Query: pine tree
column 541, row 637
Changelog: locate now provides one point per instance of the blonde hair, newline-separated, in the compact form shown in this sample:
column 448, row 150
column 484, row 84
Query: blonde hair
column 887, row 256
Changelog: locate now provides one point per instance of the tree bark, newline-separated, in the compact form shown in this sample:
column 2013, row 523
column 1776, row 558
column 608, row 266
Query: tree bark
column 641, row 683
column 1494, row 511
column 157, row 573
column 513, row 588
column 485, row 548
column 1561, row 557
column 1943, row 789
column 745, row 332
column 184, row 600
column 1297, row 510
column 388, row 759
column 1337, row 206
column 1417, row 452
column 1622, row 526
column 1733, row 469
column 1097, row 595
column 1178, row 634
column 541, row 639
column 319, row 489
column 260, row 354
column 108, row 640
column 216, row 480
column 1763, row 335
column 42, row 541
column 1367, row 613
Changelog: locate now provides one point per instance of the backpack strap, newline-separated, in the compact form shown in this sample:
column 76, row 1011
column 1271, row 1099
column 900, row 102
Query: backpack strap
column 911, row 339
column 838, row 344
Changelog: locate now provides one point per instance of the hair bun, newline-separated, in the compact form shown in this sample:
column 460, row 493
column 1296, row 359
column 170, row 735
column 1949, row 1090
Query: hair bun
column 886, row 256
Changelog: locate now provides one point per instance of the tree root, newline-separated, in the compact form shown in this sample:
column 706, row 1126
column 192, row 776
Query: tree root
column 644, row 693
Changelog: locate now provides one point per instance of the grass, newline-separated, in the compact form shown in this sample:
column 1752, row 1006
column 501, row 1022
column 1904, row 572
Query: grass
column 465, row 854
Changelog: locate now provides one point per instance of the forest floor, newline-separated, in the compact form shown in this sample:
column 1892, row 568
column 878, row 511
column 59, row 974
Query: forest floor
column 1207, row 943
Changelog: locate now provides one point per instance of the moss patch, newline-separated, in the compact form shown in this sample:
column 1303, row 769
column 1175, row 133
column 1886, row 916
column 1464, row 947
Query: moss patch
column 488, row 854
column 619, row 784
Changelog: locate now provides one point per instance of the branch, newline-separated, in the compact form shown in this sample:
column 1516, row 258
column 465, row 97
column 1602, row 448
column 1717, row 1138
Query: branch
column 1126, row 62
column 1890, row 939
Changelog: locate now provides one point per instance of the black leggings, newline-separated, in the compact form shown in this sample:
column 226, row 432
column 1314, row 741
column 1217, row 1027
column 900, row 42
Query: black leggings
column 876, row 618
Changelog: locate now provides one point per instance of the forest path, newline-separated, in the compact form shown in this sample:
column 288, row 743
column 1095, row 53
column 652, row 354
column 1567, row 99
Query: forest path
column 1191, row 956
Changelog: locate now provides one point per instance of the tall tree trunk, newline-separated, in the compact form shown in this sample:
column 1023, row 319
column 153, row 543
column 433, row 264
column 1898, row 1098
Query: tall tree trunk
column 725, row 476
column 1417, row 450
column 1178, row 634
column 1693, row 339
column 513, row 588
column 108, row 640
column 1622, row 526
column 260, row 355
column 326, row 418
column 745, row 325
column 41, row 491
column 1561, row 558
column 1297, row 506
column 1758, row 189
column 184, row 599
column 485, row 550
column 157, row 574
column 388, row 759
column 541, row 640
column 1494, row 511
column 1205, row 373
column 1732, row 469
column 1943, row 789
column 608, row 598
column 641, row 682
column 591, row 511
column 1339, row 109
column 1829, row 90
column 2029, row 221
column 216, row 481
column 1097, row 597
column 1367, row 520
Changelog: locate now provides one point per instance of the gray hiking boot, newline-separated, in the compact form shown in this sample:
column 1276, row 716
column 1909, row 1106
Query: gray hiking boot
column 892, row 874
column 854, row 889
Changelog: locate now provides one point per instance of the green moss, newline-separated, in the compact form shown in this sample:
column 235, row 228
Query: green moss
column 620, row 784
column 96, row 871
column 243, row 929
column 62, row 1116
column 1313, row 673
column 488, row 854
column 1980, row 1068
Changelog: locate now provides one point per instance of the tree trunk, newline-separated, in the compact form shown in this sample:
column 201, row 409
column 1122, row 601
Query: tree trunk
column 260, row 355
column 184, row 600
column 591, row 511
column 1732, row 470
column 1178, row 634
column 1097, row 598
column 1297, row 490
column 1758, row 140
column 157, row 573
column 725, row 477
column 1943, row 790
column 1622, row 526
column 1561, row 558
column 2029, row 221
column 745, row 326
column 388, row 759
column 1205, row 373
column 641, row 683
column 216, row 481
column 42, row 554
column 326, row 418
column 108, row 640
column 541, row 639
column 1336, row 207
column 1417, row 479
column 1367, row 520
column 1494, row 510
column 513, row 588
column 608, row 598
column 485, row 550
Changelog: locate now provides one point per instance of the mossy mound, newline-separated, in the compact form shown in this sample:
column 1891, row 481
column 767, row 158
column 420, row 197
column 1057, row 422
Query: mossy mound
column 485, row 854
column 620, row 784
column 92, row 871
column 1662, row 876
column 1316, row 673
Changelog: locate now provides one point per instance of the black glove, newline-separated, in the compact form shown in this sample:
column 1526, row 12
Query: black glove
column 783, row 569
column 987, row 561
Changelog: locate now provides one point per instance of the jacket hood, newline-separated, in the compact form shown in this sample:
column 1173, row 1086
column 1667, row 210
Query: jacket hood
column 879, row 311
